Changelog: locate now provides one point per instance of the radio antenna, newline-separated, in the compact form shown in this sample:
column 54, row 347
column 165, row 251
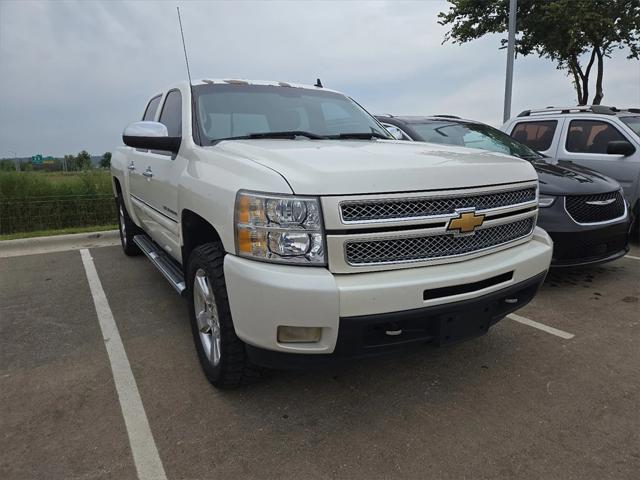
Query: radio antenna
column 186, row 60
column 184, row 46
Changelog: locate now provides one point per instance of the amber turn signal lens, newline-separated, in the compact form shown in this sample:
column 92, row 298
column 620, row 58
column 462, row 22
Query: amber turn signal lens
column 244, row 241
column 243, row 209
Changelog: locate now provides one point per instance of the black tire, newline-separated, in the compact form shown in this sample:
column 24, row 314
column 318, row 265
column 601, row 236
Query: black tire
column 127, row 228
column 232, row 368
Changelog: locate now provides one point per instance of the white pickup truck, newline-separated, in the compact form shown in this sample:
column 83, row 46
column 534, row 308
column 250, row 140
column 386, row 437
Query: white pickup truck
column 302, row 233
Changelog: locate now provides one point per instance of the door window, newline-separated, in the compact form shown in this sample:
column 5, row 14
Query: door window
column 171, row 115
column 536, row 135
column 591, row 136
column 152, row 108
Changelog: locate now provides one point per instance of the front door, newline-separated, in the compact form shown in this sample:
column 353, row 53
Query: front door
column 586, row 144
column 157, row 175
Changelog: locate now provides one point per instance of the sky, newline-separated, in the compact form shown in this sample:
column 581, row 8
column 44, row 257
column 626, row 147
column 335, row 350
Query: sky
column 74, row 74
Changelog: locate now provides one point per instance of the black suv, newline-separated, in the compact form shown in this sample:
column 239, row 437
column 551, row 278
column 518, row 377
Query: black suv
column 583, row 211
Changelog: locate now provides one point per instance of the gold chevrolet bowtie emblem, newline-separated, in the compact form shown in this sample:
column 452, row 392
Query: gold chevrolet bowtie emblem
column 466, row 222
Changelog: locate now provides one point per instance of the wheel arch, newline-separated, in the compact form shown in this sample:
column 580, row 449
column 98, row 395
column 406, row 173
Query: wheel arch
column 195, row 231
column 115, row 183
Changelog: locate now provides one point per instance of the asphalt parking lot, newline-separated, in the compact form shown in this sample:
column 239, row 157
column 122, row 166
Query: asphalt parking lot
column 520, row 402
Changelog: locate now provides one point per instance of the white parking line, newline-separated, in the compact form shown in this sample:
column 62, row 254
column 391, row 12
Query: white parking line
column 143, row 447
column 632, row 257
column 541, row 326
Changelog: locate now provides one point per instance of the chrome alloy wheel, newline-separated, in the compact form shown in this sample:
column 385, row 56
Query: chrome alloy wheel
column 204, row 306
column 123, row 227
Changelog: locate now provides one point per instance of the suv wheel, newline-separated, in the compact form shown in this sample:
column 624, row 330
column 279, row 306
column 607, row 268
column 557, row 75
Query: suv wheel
column 127, row 228
column 221, row 353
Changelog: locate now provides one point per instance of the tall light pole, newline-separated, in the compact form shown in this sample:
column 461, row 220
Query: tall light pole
column 511, row 46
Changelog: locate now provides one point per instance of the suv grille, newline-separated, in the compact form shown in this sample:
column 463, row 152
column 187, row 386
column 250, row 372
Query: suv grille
column 415, row 208
column 582, row 211
column 435, row 246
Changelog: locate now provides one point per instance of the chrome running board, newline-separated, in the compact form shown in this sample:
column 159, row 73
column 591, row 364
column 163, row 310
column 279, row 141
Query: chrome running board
column 167, row 266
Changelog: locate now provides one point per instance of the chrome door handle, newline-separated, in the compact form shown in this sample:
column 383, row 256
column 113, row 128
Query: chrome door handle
column 131, row 166
column 148, row 173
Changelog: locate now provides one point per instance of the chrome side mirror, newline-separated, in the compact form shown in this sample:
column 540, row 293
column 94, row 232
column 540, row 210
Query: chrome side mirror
column 395, row 132
column 150, row 136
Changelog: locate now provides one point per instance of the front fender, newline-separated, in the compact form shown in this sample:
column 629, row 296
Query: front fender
column 209, row 184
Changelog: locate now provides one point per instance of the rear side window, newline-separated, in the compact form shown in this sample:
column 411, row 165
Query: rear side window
column 536, row 135
column 152, row 108
column 171, row 115
column 591, row 136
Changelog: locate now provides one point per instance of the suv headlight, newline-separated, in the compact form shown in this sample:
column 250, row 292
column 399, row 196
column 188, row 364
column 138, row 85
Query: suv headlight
column 279, row 228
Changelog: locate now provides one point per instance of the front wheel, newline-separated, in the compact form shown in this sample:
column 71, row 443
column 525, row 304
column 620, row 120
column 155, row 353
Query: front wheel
column 221, row 353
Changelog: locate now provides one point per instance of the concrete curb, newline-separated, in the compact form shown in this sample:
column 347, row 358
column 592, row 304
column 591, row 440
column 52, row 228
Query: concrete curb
column 58, row 243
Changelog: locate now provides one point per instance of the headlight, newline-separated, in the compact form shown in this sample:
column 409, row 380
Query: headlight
column 545, row 201
column 279, row 228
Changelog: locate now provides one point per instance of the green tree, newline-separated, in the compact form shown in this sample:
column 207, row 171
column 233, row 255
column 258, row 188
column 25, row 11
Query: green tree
column 105, row 161
column 7, row 165
column 574, row 34
column 83, row 160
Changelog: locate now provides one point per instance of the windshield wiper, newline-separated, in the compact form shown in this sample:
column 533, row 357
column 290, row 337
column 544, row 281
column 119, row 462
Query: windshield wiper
column 286, row 134
column 358, row 136
column 529, row 156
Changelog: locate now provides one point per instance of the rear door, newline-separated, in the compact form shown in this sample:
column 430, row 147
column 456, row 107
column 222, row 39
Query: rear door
column 137, row 159
column 584, row 142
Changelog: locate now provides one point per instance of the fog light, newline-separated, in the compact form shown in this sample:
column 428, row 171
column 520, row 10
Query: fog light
column 298, row 334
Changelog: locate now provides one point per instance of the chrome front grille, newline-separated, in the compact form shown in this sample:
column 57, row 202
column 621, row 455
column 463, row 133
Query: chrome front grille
column 595, row 208
column 358, row 211
column 429, row 247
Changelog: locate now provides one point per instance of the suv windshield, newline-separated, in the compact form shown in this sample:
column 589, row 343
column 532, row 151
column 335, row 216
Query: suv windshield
column 633, row 123
column 265, row 111
column 473, row 135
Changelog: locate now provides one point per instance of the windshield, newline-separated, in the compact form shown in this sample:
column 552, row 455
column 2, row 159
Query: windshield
column 473, row 135
column 633, row 123
column 258, row 111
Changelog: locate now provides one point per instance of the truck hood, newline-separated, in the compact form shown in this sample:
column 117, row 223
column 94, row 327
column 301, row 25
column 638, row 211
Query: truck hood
column 343, row 167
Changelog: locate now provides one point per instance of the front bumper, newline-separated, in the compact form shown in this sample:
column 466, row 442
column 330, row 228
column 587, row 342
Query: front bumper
column 366, row 336
column 582, row 244
column 263, row 296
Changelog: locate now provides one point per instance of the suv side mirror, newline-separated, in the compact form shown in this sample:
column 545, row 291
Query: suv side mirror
column 150, row 136
column 620, row 147
column 395, row 132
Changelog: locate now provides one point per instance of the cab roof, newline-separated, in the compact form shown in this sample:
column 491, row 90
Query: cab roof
column 242, row 81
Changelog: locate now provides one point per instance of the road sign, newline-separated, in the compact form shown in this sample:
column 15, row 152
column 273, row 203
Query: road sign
column 36, row 159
